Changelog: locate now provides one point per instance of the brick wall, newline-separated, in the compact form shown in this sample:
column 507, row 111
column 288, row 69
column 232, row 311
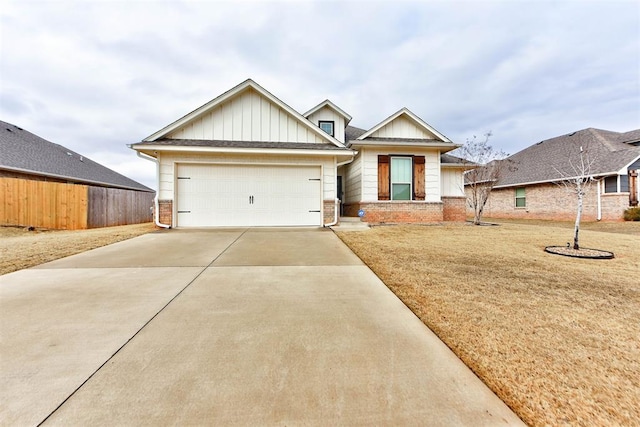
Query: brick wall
column 166, row 211
column 397, row 212
column 454, row 208
column 329, row 211
column 552, row 202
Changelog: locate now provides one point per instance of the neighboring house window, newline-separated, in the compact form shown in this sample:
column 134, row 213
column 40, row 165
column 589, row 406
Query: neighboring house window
column 521, row 199
column 624, row 183
column 327, row 126
column 401, row 178
column 611, row 184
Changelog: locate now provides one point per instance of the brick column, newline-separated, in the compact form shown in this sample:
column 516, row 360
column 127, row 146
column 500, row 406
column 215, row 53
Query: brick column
column 166, row 211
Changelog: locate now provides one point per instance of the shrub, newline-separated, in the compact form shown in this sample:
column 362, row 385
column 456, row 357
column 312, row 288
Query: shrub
column 632, row 214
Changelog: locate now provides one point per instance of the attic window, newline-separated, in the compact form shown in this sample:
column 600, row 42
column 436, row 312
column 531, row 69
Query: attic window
column 327, row 126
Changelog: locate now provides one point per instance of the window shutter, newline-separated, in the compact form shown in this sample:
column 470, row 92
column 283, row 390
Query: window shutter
column 418, row 178
column 383, row 178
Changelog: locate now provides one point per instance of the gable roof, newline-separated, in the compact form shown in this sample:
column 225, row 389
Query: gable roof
column 237, row 90
column 21, row 151
column 412, row 117
column 329, row 104
column 548, row 160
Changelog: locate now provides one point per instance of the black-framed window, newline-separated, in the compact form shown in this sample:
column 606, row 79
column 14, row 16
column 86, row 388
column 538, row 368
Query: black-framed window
column 327, row 126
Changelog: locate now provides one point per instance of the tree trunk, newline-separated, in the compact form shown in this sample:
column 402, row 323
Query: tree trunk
column 576, row 244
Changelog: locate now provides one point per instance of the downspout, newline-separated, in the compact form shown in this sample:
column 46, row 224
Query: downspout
column 599, row 215
column 156, row 208
column 336, row 207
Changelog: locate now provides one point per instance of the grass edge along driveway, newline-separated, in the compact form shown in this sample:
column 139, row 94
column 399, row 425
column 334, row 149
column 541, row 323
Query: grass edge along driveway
column 555, row 337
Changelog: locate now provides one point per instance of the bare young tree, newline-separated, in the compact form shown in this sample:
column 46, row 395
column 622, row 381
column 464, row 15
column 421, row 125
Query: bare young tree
column 487, row 165
column 577, row 181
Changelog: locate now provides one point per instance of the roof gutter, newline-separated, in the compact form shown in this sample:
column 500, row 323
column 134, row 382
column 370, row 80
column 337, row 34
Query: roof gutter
column 239, row 150
column 156, row 205
column 596, row 176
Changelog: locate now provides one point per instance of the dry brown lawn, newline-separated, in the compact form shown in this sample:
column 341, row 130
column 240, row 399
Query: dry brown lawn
column 557, row 338
column 21, row 248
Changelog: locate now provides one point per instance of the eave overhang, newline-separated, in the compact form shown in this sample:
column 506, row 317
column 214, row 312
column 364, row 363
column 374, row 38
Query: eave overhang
column 442, row 146
column 332, row 106
column 153, row 150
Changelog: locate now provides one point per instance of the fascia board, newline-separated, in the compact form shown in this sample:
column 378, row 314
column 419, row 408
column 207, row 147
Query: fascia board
column 626, row 167
column 412, row 116
column 456, row 166
column 230, row 94
column 547, row 181
column 236, row 150
column 200, row 110
column 443, row 146
column 331, row 105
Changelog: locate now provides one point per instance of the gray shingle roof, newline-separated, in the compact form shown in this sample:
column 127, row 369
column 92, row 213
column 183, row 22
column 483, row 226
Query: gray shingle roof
column 448, row 159
column 549, row 160
column 23, row 151
column 352, row 132
column 631, row 137
column 242, row 144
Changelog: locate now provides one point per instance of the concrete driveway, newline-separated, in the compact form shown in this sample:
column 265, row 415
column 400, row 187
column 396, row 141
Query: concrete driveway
column 225, row 327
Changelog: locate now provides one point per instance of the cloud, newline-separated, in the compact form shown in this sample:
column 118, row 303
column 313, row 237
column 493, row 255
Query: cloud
column 95, row 76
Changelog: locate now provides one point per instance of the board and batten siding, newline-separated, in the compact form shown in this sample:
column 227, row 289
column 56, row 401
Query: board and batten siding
column 247, row 117
column 353, row 180
column 452, row 183
column 328, row 114
column 370, row 171
column 168, row 163
column 402, row 127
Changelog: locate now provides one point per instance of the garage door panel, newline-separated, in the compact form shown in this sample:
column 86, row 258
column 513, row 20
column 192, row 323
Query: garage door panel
column 248, row 195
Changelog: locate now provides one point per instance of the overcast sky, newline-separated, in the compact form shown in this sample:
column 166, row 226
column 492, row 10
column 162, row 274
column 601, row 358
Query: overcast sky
column 97, row 75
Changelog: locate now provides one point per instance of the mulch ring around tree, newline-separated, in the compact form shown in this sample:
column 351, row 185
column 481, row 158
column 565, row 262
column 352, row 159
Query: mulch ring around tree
column 579, row 253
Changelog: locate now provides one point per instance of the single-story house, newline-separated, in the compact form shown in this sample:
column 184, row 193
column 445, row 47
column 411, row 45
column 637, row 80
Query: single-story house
column 46, row 185
column 530, row 188
column 248, row 159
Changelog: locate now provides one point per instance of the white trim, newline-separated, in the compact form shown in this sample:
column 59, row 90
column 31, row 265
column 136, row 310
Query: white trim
column 625, row 168
column 230, row 94
column 520, row 184
column 599, row 211
column 448, row 146
column 334, row 107
column 156, row 204
column 239, row 150
column 261, row 164
column 391, row 182
column 404, row 111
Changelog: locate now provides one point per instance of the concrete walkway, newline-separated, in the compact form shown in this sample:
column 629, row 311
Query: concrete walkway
column 225, row 327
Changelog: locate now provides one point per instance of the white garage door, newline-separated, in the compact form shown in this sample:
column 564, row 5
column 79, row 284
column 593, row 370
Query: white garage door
column 248, row 195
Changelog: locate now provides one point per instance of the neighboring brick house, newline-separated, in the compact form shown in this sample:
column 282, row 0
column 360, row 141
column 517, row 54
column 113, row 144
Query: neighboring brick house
column 248, row 159
column 46, row 185
column 530, row 189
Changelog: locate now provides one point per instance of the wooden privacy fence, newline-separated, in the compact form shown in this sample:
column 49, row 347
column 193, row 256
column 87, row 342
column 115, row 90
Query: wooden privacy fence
column 70, row 206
